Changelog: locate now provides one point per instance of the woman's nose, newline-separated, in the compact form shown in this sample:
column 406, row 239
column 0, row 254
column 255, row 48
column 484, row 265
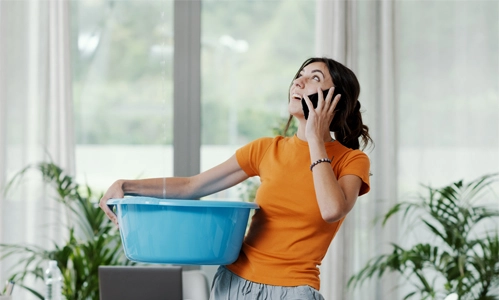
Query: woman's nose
column 299, row 82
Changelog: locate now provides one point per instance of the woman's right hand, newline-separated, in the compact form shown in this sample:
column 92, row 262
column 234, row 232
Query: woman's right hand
column 115, row 191
column 319, row 118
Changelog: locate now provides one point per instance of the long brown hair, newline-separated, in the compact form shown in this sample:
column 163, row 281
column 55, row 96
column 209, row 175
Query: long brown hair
column 347, row 122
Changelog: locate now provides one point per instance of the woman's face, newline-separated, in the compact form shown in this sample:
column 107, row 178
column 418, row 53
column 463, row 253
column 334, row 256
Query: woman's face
column 312, row 76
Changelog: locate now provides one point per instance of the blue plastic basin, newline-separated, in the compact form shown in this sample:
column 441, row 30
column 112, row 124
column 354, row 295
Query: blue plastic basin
column 197, row 232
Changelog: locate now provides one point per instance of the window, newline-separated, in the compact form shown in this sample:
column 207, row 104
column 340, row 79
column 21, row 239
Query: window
column 123, row 89
column 250, row 52
column 123, row 82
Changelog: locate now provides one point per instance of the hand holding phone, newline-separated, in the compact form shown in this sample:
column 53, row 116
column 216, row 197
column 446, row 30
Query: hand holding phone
column 314, row 98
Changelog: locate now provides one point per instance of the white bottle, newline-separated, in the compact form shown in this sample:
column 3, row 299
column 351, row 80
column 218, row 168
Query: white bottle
column 53, row 281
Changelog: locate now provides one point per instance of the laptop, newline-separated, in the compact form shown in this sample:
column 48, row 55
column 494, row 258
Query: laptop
column 140, row 283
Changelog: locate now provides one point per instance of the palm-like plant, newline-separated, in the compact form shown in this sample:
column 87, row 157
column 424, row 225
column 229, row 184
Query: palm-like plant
column 96, row 241
column 462, row 259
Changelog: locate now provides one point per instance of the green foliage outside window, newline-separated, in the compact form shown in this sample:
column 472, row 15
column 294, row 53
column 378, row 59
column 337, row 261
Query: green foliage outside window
column 123, row 89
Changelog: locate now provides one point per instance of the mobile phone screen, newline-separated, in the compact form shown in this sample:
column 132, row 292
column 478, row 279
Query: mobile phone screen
column 314, row 98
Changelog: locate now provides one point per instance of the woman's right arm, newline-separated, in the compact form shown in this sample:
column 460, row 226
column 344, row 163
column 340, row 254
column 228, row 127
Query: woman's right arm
column 223, row 176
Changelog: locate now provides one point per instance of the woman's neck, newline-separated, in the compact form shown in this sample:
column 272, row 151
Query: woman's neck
column 302, row 136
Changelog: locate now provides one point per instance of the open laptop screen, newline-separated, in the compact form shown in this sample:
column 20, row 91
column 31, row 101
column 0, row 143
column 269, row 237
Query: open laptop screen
column 140, row 282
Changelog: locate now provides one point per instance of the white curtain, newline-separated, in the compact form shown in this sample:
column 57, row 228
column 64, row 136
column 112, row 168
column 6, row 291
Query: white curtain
column 429, row 73
column 339, row 37
column 35, row 118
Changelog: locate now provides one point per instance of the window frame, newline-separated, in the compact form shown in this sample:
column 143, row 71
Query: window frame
column 187, row 87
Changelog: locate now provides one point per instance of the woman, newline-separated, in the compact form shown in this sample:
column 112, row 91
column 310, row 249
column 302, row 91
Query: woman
column 309, row 182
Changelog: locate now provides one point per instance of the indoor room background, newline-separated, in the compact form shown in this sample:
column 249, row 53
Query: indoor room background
column 135, row 89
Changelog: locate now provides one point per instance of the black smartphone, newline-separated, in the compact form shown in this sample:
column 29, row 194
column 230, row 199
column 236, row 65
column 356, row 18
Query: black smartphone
column 314, row 98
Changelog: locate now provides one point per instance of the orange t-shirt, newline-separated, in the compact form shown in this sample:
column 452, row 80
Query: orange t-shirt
column 288, row 238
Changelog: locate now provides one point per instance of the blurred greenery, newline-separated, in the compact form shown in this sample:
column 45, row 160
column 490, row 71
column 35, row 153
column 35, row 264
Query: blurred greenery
column 92, row 240
column 123, row 85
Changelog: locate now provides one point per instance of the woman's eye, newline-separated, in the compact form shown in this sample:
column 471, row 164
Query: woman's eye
column 316, row 78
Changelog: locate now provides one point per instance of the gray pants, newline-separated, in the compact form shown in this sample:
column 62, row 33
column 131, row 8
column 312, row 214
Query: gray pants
column 228, row 286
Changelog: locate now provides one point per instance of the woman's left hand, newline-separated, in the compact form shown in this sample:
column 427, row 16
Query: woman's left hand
column 320, row 118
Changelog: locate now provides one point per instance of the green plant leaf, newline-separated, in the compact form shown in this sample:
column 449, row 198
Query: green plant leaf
column 459, row 258
column 98, row 242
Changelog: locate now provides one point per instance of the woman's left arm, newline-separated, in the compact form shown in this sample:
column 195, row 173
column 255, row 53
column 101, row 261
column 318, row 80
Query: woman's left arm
column 335, row 197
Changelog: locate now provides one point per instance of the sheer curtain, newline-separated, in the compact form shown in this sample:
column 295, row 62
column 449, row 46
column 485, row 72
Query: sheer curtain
column 35, row 118
column 429, row 72
column 339, row 37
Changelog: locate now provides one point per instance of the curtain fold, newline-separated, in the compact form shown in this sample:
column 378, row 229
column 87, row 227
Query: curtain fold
column 60, row 119
column 385, row 134
column 339, row 37
column 36, row 119
column 3, row 115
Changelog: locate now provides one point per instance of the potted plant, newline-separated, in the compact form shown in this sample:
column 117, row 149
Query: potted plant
column 461, row 258
column 92, row 240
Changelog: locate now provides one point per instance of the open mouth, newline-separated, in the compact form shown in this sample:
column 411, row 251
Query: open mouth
column 296, row 96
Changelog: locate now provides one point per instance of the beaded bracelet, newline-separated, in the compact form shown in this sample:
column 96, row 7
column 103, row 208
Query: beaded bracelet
column 318, row 162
